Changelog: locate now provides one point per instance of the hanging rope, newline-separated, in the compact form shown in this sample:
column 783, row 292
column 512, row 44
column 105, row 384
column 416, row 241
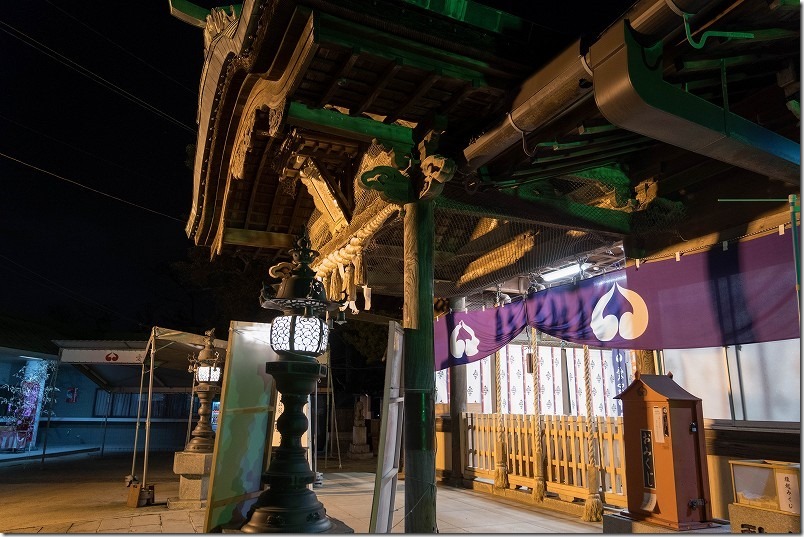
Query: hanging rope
column 360, row 269
column 593, row 507
column 500, row 456
column 539, row 488
column 335, row 285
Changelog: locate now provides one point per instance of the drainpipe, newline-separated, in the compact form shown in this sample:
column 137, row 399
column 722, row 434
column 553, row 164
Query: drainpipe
column 631, row 93
column 566, row 80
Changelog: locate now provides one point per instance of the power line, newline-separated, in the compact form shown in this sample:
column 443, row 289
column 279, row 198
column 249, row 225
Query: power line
column 75, row 148
column 76, row 183
column 74, row 295
column 96, row 32
column 36, row 45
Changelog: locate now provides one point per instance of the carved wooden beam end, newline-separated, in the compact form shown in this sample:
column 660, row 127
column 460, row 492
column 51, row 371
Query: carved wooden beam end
column 436, row 171
column 392, row 185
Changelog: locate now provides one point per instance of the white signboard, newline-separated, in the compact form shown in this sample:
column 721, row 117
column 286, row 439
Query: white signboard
column 102, row 356
column 788, row 491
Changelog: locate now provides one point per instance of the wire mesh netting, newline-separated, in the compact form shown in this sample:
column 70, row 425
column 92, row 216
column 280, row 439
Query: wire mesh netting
column 473, row 253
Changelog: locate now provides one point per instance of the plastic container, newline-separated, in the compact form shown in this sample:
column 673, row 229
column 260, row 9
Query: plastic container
column 765, row 484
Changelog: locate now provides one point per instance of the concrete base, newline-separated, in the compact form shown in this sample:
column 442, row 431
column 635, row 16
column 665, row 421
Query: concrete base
column 747, row 519
column 616, row 523
column 193, row 469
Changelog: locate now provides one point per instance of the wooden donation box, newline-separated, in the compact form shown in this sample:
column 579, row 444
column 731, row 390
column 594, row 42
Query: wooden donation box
column 665, row 454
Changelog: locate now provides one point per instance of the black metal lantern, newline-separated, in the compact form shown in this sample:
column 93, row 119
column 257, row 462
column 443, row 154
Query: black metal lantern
column 207, row 371
column 206, row 366
column 298, row 337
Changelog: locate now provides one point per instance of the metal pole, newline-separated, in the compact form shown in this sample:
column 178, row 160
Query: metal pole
column 139, row 413
column 335, row 424
column 457, row 405
column 50, row 404
column 328, row 439
column 795, row 208
column 190, row 413
column 148, row 414
column 106, row 422
column 314, row 428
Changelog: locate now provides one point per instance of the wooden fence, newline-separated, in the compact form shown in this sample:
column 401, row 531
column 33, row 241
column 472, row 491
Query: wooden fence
column 564, row 449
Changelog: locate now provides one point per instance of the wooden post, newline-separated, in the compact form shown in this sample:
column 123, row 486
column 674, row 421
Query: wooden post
column 419, row 366
column 457, row 406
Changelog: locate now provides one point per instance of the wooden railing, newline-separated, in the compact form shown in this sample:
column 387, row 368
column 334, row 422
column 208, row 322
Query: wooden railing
column 564, row 448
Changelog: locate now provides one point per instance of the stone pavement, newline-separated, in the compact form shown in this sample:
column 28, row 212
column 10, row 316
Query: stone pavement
column 86, row 494
column 167, row 522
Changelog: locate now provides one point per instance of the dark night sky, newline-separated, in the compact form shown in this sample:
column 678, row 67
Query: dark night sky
column 67, row 253
column 65, row 250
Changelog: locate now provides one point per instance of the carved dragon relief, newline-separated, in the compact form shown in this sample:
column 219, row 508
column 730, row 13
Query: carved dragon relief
column 392, row 174
column 384, row 168
column 436, row 169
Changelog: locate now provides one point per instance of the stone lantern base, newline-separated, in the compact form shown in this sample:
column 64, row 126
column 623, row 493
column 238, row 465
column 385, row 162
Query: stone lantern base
column 194, row 469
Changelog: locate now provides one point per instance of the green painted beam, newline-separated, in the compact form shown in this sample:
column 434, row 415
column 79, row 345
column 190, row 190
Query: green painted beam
column 716, row 64
column 334, row 122
column 612, row 176
column 194, row 14
column 617, row 221
column 550, row 212
column 474, row 14
column 445, row 63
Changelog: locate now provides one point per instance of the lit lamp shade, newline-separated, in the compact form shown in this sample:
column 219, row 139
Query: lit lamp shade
column 297, row 334
column 207, row 373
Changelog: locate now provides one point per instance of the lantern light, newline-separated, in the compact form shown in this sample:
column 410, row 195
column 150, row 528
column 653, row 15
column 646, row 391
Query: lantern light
column 302, row 299
column 297, row 334
column 207, row 372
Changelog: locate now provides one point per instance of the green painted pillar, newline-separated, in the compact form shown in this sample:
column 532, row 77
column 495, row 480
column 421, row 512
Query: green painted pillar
column 419, row 364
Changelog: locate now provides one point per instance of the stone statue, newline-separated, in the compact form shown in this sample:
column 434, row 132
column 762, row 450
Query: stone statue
column 359, row 414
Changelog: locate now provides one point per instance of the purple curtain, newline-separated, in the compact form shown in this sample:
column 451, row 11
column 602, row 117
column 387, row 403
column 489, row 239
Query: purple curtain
column 744, row 294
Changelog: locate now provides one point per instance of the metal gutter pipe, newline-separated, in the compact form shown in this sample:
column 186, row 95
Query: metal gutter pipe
column 630, row 93
column 558, row 85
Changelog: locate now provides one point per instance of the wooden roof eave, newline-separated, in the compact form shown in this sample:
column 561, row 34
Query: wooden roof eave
column 218, row 56
column 241, row 94
column 217, row 74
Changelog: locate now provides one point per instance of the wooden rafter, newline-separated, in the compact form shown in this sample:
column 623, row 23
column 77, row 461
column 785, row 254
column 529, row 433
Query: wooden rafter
column 342, row 73
column 421, row 90
column 296, row 206
column 382, row 81
column 265, row 159
column 274, row 206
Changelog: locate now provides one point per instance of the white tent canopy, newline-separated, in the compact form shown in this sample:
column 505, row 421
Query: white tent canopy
column 166, row 349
